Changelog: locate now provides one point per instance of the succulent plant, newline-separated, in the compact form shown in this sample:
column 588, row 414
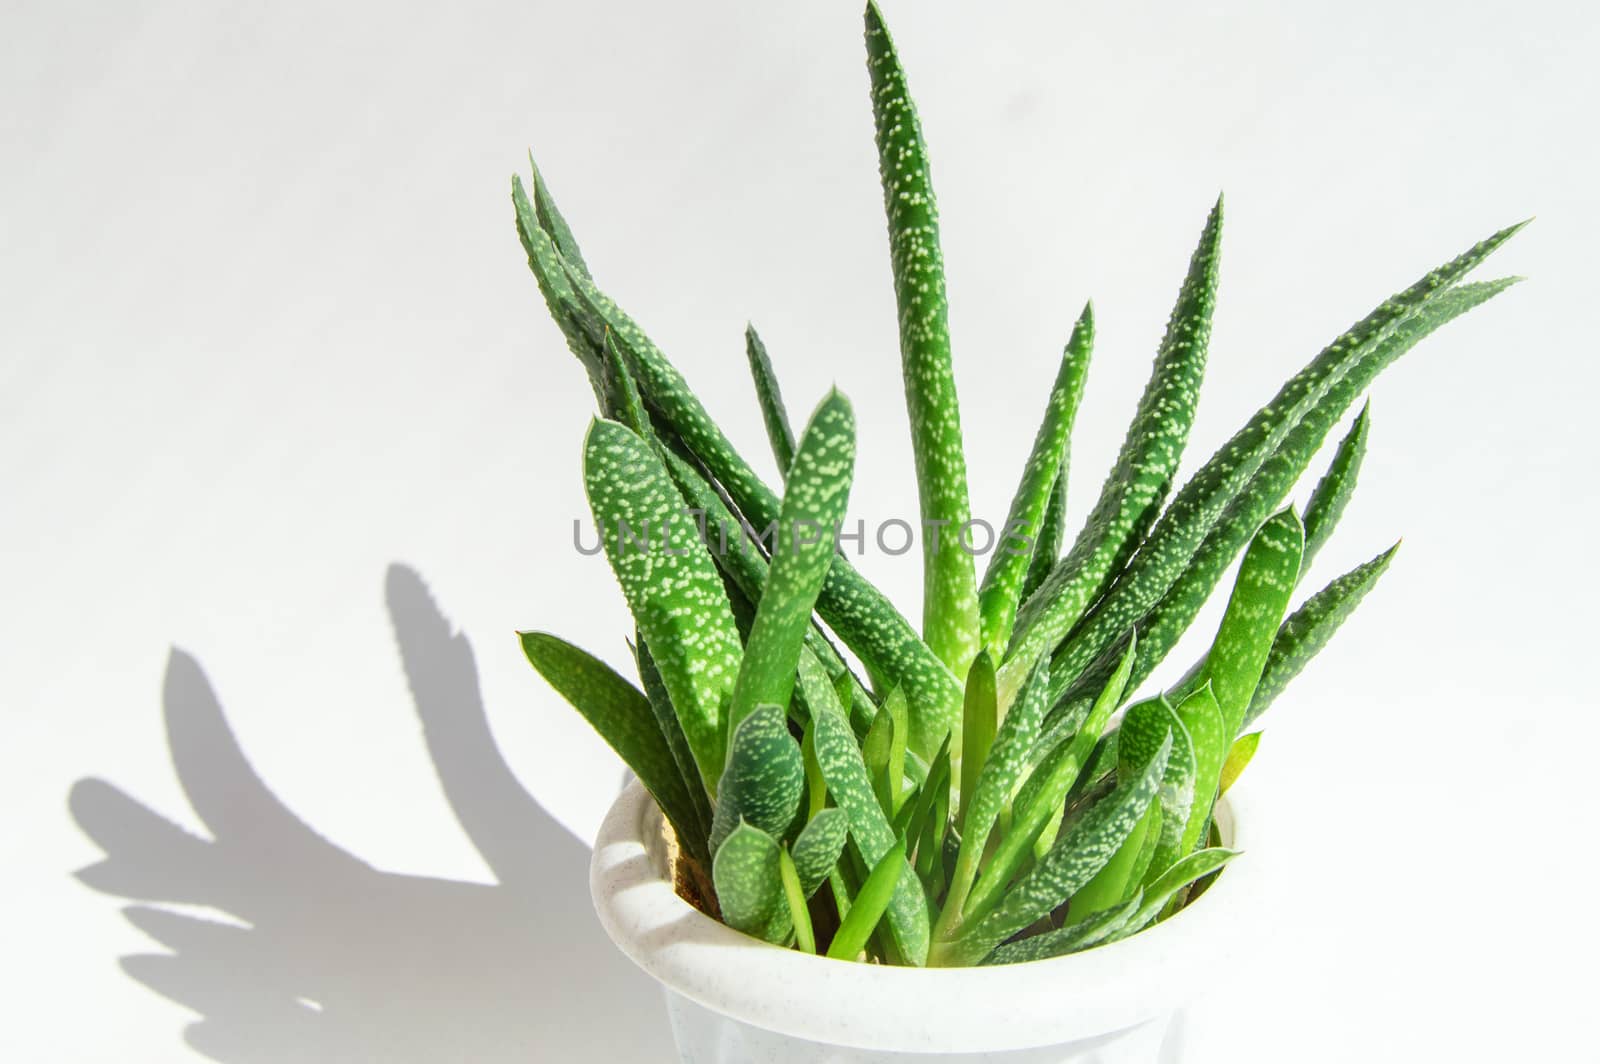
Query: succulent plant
column 966, row 794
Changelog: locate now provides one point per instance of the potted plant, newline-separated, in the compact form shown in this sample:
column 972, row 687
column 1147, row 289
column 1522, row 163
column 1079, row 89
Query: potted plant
column 1025, row 867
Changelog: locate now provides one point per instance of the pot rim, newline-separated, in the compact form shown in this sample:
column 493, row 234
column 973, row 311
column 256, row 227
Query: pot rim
column 940, row 1010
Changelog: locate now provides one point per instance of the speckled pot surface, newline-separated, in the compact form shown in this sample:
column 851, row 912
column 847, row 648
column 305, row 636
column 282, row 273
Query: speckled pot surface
column 735, row 1000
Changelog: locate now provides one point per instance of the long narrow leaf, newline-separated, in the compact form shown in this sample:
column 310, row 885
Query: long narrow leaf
column 1047, row 546
column 1260, row 598
column 773, row 413
column 950, row 591
column 1168, row 554
column 1308, row 629
column 1142, row 730
column 1043, row 795
column 1046, row 466
column 839, row 758
column 813, row 507
column 1332, row 493
column 1073, row 938
column 1209, row 738
column 1143, row 474
column 624, row 719
column 678, row 746
column 871, row 902
column 1071, row 862
column 1166, row 623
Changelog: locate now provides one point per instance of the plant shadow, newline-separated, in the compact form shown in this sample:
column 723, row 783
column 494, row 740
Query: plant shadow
column 331, row 959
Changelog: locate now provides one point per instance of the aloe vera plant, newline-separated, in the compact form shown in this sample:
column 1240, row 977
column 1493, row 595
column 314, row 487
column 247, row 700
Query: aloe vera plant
column 970, row 796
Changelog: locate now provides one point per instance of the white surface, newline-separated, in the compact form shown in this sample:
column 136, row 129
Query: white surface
column 736, row 999
column 267, row 329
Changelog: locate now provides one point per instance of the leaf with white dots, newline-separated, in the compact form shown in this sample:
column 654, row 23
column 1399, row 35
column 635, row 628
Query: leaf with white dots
column 803, row 548
column 1004, row 580
column 670, row 582
column 950, row 592
column 1143, row 473
column 748, row 877
column 1308, row 629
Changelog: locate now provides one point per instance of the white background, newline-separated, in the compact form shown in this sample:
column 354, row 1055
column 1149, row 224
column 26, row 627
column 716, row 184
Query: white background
column 266, row 329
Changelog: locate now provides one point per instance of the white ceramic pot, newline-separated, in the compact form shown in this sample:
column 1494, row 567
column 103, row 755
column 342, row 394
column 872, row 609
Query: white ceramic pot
column 733, row 999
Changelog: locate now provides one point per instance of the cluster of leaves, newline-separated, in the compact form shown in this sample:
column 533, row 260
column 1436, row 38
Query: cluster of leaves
column 973, row 797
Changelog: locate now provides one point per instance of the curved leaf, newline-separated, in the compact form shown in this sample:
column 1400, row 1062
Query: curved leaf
column 773, row 413
column 818, row 846
column 749, row 884
column 765, row 778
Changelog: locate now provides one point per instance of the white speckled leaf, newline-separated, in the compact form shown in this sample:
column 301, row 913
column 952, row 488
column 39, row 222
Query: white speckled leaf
column 1260, row 598
column 1143, row 728
column 1308, row 629
column 1166, row 622
column 950, row 592
column 670, row 582
column 773, row 413
column 1008, row 569
column 765, row 778
column 749, row 884
column 817, row 848
column 1209, row 738
column 1103, row 926
column 839, row 758
column 1070, row 863
column 813, row 508
column 1143, row 473
column 1313, row 395
column 1165, row 887
column 1332, row 493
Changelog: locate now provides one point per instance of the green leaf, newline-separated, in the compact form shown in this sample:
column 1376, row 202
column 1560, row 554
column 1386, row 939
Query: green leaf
column 1332, row 493
column 1073, row 938
column 1045, row 792
column 744, row 565
column 950, row 592
column 818, row 846
column 839, row 758
column 1046, row 467
column 747, row 872
column 1238, row 759
column 1165, row 887
column 1166, row 623
column 979, row 720
column 1309, row 628
column 1267, row 577
column 875, row 755
column 998, row 780
column 550, row 219
column 579, row 329
column 1072, row 862
column 1120, row 877
column 1143, row 729
column 765, row 778
column 871, row 901
column 857, row 612
column 670, row 582
column 799, row 915
column 678, row 747
column 1047, row 546
column 773, row 414
column 813, row 508
column 624, row 719
column 1209, row 737
column 1142, row 475
column 1167, row 554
